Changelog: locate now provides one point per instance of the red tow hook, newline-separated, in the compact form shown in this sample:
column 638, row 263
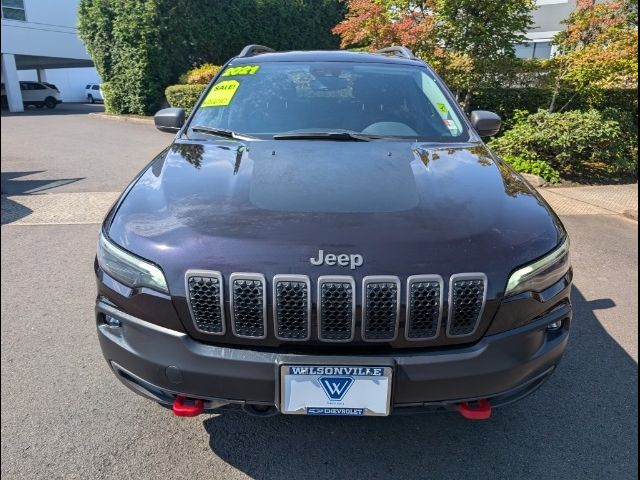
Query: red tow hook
column 482, row 411
column 192, row 409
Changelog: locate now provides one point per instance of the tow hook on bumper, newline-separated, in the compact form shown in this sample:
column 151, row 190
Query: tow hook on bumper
column 480, row 411
column 183, row 407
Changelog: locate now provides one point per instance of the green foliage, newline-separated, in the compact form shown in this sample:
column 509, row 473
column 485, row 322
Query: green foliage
column 536, row 167
column 201, row 75
column 506, row 101
column 141, row 46
column 483, row 29
column 570, row 142
column 184, row 96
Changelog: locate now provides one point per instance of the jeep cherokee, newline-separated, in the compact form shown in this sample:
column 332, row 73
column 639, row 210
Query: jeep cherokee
column 328, row 235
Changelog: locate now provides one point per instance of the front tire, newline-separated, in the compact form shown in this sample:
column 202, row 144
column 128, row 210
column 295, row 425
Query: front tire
column 50, row 102
column 91, row 99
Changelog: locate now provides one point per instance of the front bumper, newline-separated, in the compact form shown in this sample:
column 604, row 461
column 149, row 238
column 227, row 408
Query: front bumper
column 160, row 363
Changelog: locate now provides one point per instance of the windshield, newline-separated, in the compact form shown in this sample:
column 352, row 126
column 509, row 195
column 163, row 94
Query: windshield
column 271, row 99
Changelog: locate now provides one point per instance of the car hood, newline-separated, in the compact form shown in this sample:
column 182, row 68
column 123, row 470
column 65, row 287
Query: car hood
column 269, row 206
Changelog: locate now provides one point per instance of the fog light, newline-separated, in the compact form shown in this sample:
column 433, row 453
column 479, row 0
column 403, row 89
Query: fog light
column 111, row 321
column 554, row 326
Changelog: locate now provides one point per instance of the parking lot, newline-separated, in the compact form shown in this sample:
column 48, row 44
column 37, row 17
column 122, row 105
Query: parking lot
column 64, row 415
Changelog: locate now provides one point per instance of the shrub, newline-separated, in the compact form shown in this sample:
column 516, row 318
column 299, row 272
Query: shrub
column 184, row 96
column 536, row 167
column 200, row 75
column 570, row 142
column 505, row 101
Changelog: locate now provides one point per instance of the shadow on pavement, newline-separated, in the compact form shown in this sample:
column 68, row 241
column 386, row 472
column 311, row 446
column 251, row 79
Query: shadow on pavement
column 10, row 186
column 62, row 109
column 13, row 211
column 580, row 424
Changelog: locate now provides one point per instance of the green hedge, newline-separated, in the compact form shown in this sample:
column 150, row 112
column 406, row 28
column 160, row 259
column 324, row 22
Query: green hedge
column 184, row 96
column 572, row 142
column 141, row 46
column 506, row 101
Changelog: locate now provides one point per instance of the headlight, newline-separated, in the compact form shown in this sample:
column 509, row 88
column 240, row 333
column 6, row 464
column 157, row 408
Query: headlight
column 541, row 274
column 127, row 268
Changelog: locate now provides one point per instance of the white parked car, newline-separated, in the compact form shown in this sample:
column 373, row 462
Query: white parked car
column 93, row 92
column 40, row 94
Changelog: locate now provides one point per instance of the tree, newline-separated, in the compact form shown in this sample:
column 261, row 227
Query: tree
column 598, row 49
column 375, row 24
column 469, row 42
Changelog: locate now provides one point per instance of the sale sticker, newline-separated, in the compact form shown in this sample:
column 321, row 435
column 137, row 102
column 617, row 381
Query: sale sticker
column 221, row 94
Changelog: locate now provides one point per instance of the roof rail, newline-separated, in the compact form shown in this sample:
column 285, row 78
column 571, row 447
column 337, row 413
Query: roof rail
column 251, row 50
column 398, row 50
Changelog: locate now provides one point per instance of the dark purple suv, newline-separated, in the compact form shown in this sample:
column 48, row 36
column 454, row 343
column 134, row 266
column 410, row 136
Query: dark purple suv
column 329, row 235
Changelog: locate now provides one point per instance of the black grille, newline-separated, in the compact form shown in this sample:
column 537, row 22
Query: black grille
column 423, row 317
column 336, row 311
column 380, row 310
column 467, row 297
column 291, row 309
column 205, row 295
column 248, row 307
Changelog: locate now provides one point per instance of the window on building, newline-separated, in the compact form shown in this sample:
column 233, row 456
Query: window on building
column 534, row 50
column 13, row 10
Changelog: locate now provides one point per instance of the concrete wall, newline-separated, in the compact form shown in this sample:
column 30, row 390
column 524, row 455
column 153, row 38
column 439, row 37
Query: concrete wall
column 49, row 31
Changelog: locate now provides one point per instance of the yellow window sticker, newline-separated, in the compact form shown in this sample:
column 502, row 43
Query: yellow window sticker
column 442, row 108
column 221, row 94
column 243, row 70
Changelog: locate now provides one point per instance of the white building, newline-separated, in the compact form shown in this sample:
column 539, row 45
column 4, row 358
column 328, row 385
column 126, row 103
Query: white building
column 547, row 20
column 40, row 42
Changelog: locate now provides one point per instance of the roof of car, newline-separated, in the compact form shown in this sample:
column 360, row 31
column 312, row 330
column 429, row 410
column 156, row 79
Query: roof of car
column 325, row 56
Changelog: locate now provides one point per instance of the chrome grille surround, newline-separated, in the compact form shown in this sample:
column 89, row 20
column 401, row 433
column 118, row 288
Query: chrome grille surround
column 336, row 308
column 206, row 307
column 425, row 303
column 248, row 312
column 299, row 288
column 467, row 299
column 380, row 299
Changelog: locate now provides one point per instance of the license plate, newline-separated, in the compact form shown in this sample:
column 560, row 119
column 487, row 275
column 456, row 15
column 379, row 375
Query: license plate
column 335, row 390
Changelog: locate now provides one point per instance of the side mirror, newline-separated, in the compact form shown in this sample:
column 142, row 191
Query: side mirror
column 169, row 119
column 485, row 123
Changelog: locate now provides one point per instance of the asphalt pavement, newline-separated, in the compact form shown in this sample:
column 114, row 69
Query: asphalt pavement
column 64, row 414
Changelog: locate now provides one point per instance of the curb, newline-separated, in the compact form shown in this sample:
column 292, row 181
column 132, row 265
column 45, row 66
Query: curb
column 122, row 118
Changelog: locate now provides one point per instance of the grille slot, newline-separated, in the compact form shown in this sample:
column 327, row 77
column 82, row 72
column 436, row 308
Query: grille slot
column 380, row 308
column 248, row 305
column 467, row 296
column 424, row 307
column 336, row 308
column 204, row 295
column 292, row 307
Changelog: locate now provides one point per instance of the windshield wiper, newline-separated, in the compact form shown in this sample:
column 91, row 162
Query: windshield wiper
column 345, row 135
column 221, row 132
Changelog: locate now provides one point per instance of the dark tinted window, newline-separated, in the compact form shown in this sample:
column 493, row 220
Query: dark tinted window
column 95, row 87
column 372, row 98
column 38, row 86
column 88, row 87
